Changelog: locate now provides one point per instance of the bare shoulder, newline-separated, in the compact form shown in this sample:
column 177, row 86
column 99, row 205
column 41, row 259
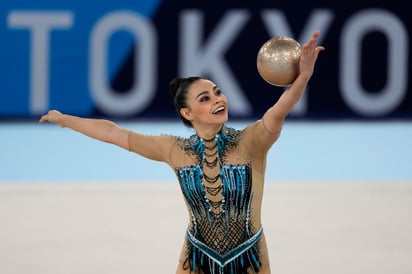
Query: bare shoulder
column 154, row 147
column 258, row 138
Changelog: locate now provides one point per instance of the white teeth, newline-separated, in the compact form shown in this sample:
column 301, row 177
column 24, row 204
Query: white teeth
column 219, row 109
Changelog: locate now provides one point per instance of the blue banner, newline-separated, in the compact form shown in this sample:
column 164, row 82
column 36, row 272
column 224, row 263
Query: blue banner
column 116, row 58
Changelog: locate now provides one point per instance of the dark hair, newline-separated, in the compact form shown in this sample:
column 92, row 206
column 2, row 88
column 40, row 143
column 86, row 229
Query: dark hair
column 178, row 89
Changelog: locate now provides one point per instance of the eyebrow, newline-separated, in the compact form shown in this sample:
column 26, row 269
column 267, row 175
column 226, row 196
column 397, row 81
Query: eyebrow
column 206, row 91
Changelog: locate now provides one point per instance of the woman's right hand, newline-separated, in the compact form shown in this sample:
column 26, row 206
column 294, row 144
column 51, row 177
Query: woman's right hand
column 53, row 116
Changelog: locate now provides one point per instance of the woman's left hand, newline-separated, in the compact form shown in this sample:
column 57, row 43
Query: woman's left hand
column 309, row 55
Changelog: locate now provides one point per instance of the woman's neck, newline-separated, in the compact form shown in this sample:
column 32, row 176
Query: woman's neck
column 209, row 132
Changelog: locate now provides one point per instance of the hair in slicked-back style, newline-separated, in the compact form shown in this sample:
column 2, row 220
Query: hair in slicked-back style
column 178, row 88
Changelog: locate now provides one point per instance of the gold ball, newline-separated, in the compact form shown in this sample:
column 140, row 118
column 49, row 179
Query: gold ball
column 278, row 61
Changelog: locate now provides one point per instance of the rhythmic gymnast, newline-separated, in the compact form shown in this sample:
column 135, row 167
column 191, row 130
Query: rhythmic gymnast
column 220, row 169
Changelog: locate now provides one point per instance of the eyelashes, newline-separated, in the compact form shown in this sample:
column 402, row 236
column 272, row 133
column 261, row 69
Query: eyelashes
column 206, row 97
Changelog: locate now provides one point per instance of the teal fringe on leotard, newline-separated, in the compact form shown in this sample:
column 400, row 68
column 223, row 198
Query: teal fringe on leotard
column 225, row 242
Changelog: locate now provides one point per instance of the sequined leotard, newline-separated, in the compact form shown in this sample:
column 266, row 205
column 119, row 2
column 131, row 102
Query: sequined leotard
column 222, row 183
column 221, row 238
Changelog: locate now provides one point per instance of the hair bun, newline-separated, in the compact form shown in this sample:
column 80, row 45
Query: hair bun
column 175, row 85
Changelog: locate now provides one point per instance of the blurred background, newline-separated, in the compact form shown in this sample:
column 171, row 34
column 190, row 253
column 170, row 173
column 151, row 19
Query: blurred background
column 339, row 179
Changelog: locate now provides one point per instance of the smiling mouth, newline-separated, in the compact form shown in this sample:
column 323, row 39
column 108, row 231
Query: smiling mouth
column 219, row 110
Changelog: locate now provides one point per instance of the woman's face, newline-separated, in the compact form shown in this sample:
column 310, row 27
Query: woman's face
column 206, row 104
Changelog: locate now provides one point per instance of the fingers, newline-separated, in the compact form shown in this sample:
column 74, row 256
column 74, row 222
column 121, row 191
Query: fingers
column 311, row 46
column 309, row 54
column 43, row 119
column 50, row 116
column 314, row 40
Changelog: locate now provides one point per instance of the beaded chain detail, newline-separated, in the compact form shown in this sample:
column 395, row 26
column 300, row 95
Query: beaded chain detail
column 219, row 197
column 212, row 184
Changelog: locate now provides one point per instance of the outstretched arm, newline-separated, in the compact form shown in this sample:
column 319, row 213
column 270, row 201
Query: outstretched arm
column 99, row 129
column 152, row 147
column 274, row 117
